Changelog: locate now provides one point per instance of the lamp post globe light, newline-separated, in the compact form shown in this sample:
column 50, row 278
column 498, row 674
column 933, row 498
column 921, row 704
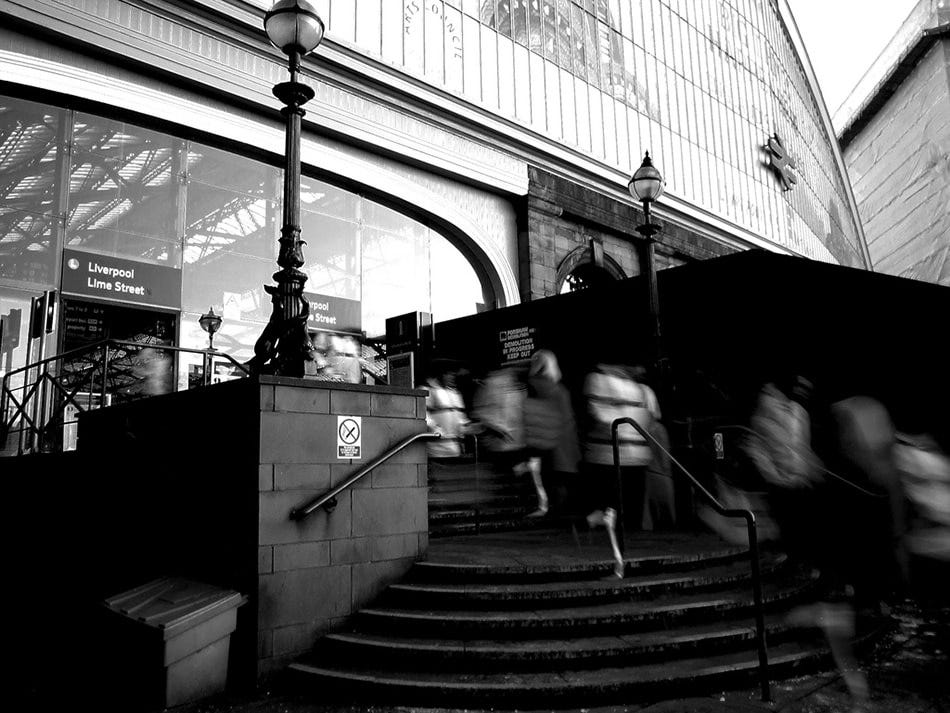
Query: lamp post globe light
column 294, row 27
column 647, row 186
column 211, row 323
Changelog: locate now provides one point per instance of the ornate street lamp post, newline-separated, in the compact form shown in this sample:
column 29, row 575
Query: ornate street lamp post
column 647, row 186
column 294, row 27
column 211, row 323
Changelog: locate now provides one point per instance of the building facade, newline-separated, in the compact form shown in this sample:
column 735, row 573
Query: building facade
column 459, row 155
column 894, row 130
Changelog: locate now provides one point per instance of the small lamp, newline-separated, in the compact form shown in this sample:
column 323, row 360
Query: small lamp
column 211, row 323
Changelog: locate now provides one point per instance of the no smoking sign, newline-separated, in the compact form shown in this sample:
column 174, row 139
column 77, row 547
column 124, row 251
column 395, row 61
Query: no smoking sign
column 349, row 437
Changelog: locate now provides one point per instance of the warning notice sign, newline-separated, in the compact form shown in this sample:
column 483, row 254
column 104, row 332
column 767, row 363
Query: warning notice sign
column 349, row 437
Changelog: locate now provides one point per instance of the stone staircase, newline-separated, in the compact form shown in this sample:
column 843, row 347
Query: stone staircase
column 468, row 496
column 534, row 619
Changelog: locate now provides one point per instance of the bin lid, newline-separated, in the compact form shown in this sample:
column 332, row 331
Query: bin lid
column 173, row 604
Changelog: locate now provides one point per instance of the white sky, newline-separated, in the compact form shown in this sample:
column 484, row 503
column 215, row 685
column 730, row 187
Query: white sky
column 844, row 37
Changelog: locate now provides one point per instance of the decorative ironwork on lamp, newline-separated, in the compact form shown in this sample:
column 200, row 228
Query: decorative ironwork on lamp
column 647, row 186
column 294, row 27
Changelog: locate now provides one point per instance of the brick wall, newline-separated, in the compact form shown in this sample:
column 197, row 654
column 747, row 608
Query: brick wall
column 559, row 217
column 201, row 484
column 315, row 573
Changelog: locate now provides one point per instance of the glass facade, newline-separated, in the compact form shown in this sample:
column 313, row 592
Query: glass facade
column 702, row 85
column 82, row 193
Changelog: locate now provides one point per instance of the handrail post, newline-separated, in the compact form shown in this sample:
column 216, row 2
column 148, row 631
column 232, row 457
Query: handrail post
column 759, row 614
column 621, row 543
column 749, row 517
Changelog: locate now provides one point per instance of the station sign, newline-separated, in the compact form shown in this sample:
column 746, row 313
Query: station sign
column 334, row 314
column 114, row 278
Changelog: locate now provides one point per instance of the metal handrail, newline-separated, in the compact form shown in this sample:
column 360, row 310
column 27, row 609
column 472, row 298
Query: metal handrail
column 42, row 370
column 747, row 515
column 328, row 499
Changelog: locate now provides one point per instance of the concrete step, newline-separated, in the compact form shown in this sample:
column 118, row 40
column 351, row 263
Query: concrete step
column 686, row 553
column 562, row 688
column 409, row 652
column 420, row 595
column 581, row 619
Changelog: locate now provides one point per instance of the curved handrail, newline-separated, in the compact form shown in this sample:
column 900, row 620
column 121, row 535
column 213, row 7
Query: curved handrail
column 747, row 515
column 822, row 468
column 328, row 499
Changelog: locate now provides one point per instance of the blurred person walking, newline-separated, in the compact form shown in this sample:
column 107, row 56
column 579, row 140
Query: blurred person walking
column 498, row 416
column 445, row 412
column 611, row 392
column 550, row 431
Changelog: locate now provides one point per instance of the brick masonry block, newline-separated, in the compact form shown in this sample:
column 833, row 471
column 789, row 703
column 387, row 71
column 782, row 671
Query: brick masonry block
column 350, row 403
column 300, row 555
column 276, row 527
column 372, row 578
column 392, row 405
column 265, row 477
column 301, row 399
column 390, row 547
column 298, row 638
column 388, row 511
column 351, row 550
column 301, row 596
column 265, row 559
column 309, row 476
column 343, row 469
column 395, row 475
column 379, row 434
column 267, row 397
column 297, row 438
column 265, row 644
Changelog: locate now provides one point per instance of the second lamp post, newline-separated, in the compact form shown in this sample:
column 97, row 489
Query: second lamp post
column 646, row 186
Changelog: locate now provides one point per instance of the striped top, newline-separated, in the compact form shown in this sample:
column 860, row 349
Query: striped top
column 611, row 394
column 445, row 414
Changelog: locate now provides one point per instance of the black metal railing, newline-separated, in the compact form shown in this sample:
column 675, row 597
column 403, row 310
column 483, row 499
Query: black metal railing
column 39, row 402
column 746, row 515
column 328, row 500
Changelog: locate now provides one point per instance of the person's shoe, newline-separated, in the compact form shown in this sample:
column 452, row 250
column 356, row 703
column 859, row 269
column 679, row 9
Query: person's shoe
column 540, row 512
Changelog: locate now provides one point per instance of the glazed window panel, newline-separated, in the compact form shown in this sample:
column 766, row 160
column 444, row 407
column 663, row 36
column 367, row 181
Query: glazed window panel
column 31, row 140
column 123, row 190
column 581, row 47
column 549, row 27
column 522, row 82
column 395, row 273
column 456, row 288
column 331, row 256
column 472, row 57
column 623, row 135
column 506, row 76
column 452, row 43
column 535, row 26
column 489, row 68
column 565, row 39
column 434, row 34
column 552, row 84
column 536, row 85
column 568, row 109
column 369, row 25
column 342, row 22
column 519, row 22
column 391, row 28
column 582, row 102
